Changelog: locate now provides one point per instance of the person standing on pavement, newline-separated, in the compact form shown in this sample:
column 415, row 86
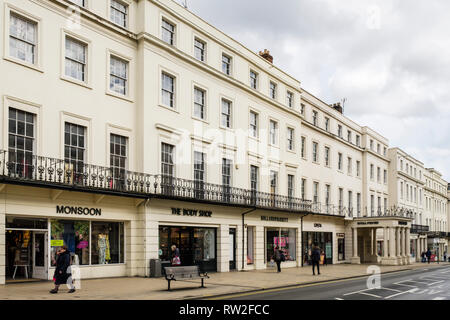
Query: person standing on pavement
column 62, row 264
column 428, row 254
column 315, row 258
column 176, row 261
column 445, row 256
column 278, row 257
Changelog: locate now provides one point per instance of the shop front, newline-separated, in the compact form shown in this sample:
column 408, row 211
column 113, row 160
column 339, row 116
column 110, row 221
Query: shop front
column 283, row 238
column 26, row 249
column 196, row 245
column 324, row 240
column 94, row 232
column 32, row 245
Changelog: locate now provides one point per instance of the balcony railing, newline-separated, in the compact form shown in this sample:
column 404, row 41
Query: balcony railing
column 417, row 228
column 385, row 212
column 21, row 168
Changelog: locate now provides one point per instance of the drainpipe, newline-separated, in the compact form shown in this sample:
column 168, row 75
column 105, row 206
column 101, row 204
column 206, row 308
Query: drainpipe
column 301, row 239
column 243, row 236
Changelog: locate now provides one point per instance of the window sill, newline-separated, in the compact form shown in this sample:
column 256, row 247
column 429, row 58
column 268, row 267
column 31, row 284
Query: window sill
column 254, row 138
column 77, row 82
column 117, row 95
column 227, row 129
column 274, row 146
column 25, row 64
column 291, row 151
column 200, row 119
column 169, row 108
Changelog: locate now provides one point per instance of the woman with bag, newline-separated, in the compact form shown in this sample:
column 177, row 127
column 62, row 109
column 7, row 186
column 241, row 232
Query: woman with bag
column 62, row 264
column 175, row 256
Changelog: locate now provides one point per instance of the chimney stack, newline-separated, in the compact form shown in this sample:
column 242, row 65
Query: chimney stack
column 337, row 107
column 266, row 55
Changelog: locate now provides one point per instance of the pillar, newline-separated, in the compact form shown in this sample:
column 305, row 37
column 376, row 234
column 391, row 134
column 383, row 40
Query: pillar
column 374, row 243
column 260, row 262
column 398, row 246
column 223, row 248
column 2, row 247
column 385, row 243
column 403, row 245
column 392, row 242
column 355, row 258
column 408, row 246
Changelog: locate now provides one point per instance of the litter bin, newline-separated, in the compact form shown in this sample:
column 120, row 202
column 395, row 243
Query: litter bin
column 155, row 268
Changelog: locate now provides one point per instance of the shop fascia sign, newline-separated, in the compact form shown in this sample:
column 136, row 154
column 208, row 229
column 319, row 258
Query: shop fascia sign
column 369, row 222
column 277, row 219
column 79, row 211
column 191, row 212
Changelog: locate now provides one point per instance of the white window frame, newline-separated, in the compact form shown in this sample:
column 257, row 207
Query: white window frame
column 129, row 96
column 250, row 79
column 277, row 132
column 26, row 106
column 205, row 48
column 175, row 30
column 127, row 4
column 250, row 124
column 10, row 9
column 231, row 101
column 88, row 78
column 206, row 102
column 288, row 131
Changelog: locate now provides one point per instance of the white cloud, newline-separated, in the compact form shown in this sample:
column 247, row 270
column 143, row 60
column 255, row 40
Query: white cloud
column 390, row 59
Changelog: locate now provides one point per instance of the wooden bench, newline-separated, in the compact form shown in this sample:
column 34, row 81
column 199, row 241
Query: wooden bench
column 184, row 273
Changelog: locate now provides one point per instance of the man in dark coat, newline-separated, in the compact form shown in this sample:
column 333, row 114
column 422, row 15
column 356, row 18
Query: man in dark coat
column 428, row 254
column 61, row 275
column 315, row 258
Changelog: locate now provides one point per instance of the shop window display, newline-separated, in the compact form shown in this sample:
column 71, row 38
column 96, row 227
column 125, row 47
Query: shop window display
column 323, row 240
column 103, row 246
column 197, row 246
column 107, row 243
column 74, row 235
column 285, row 239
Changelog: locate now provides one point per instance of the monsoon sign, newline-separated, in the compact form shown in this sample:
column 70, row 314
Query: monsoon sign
column 79, row 211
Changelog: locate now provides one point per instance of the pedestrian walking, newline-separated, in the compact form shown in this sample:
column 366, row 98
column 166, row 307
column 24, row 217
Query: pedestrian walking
column 428, row 254
column 424, row 259
column 62, row 264
column 278, row 257
column 445, row 256
column 176, row 261
column 315, row 258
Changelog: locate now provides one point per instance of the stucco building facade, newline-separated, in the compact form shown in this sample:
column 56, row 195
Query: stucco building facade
column 129, row 126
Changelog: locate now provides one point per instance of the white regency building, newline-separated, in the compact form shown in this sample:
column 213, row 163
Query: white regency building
column 128, row 126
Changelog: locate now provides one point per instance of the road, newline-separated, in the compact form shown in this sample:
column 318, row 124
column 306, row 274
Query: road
column 419, row 284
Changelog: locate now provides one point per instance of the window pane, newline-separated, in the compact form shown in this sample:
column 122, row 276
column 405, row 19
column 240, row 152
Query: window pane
column 75, row 235
column 107, row 242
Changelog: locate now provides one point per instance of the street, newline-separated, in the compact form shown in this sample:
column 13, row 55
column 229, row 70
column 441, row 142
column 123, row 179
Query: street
column 419, row 284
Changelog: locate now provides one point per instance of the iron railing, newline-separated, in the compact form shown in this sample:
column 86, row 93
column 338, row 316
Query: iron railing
column 393, row 211
column 19, row 168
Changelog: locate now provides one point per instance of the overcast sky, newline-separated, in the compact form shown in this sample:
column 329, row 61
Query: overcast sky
column 389, row 58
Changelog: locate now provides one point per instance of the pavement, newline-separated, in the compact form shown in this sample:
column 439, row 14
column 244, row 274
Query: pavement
column 219, row 284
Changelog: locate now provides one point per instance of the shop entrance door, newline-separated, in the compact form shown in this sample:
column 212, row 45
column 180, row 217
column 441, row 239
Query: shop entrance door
column 232, row 249
column 40, row 255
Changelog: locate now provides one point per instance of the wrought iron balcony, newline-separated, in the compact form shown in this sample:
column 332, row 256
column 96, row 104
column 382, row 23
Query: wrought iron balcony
column 26, row 169
column 417, row 228
column 385, row 212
